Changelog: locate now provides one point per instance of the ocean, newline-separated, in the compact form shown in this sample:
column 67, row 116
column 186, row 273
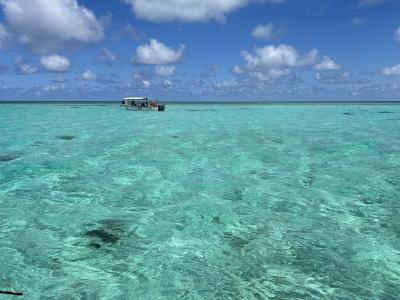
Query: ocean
column 202, row 201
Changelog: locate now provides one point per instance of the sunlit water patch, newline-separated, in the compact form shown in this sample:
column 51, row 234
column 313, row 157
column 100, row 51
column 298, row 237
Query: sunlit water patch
column 200, row 202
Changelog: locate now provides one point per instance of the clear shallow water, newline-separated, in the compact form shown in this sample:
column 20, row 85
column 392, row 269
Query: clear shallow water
column 200, row 202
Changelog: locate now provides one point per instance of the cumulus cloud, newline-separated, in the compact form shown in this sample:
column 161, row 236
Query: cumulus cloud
column 267, row 32
column 225, row 85
column 89, row 75
column 369, row 3
column 188, row 10
column 338, row 77
column 156, row 53
column 275, row 61
column 46, row 25
column 281, row 56
column 24, row 68
column 53, row 88
column 55, row 63
column 270, row 74
column 237, row 70
column 165, row 70
column 108, row 56
column 167, row 83
column 327, row 64
column 146, row 84
column 391, row 71
column 4, row 36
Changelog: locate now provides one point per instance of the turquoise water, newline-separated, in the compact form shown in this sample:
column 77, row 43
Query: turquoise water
column 200, row 202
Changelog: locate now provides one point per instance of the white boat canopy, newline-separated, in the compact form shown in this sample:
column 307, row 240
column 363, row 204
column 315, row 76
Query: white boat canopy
column 137, row 98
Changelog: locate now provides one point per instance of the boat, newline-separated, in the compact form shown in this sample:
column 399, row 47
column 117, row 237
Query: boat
column 142, row 103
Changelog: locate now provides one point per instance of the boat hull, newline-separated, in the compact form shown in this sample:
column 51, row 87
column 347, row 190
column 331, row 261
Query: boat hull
column 131, row 107
column 155, row 108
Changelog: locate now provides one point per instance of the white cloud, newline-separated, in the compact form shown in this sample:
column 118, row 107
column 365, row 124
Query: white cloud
column 167, row 83
column 24, row 68
column 272, row 74
column 187, row 10
column 397, row 34
column 55, row 63
column 368, row 3
column 156, row 53
column 281, row 56
column 237, row 70
column 89, row 75
column 4, row 36
column 391, row 71
column 273, row 62
column 53, row 88
column 337, row 77
column 46, row 25
column 165, row 70
column 267, row 32
column 277, row 73
column 137, row 75
column 225, row 85
column 108, row 56
column 146, row 84
column 327, row 64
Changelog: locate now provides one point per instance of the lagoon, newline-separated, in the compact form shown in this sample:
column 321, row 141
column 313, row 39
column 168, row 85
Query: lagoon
column 202, row 201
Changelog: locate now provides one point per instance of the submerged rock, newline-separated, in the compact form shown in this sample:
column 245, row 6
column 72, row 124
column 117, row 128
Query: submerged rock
column 66, row 137
column 7, row 157
column 308, row 181
column 235, row 242
column 216, row 220
column 109, row 232
column 95, row 245
column 103, row 235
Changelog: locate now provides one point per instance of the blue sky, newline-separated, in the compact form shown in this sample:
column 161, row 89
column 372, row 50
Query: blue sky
column 194, row 50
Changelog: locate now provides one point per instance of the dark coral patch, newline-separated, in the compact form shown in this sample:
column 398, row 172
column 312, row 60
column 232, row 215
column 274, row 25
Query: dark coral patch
column 216, row 220
column 385, row 112
column 235, row 242
column 348, row 113
column 66, row 137
column 95, row 245
column 6, row 157
column 103, row 235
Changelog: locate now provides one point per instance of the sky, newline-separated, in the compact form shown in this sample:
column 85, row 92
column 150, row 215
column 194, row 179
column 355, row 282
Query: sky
column 209, row 50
